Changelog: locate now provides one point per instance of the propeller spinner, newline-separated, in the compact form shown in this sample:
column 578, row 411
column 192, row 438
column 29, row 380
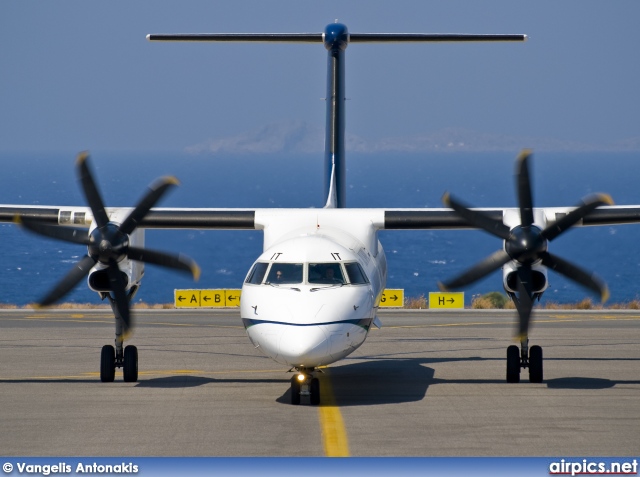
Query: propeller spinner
column 108, row 243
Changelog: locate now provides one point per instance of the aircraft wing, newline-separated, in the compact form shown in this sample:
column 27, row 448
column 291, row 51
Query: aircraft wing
column 248, row 219
column 175, row 218
column 416, row 219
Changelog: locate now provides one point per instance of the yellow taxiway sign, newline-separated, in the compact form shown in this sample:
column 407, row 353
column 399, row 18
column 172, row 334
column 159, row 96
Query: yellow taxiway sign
column 446, row 300
column 392, row 298
column 206, row 298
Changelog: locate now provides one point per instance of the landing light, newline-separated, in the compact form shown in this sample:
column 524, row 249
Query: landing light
column 301, row 377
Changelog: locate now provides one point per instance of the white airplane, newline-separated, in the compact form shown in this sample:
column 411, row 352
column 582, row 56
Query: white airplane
column 312, row 296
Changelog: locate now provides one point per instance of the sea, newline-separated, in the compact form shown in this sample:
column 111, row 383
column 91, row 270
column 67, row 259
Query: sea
column 31, row 265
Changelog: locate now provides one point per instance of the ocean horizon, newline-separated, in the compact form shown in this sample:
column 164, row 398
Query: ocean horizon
column 32, row 265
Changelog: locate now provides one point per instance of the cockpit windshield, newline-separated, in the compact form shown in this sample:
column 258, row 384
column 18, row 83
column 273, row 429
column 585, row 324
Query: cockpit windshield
column 355, row 273
column 285, row 273
column 257, row 273
column 326, row 273
column 329, row 273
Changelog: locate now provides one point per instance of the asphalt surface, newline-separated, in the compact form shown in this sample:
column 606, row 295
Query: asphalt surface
column 427, row 384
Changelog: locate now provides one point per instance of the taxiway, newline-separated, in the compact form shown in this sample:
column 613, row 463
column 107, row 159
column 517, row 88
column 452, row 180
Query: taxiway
column 427, row 384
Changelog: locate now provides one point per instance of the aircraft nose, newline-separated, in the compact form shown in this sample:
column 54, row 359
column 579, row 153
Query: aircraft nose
column 304, row 346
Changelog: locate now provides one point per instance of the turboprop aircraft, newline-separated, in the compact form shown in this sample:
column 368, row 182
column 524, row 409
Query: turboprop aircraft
column 311, row 298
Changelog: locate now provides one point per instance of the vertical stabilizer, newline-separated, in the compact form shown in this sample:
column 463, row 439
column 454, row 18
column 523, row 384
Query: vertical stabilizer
column 336, row 39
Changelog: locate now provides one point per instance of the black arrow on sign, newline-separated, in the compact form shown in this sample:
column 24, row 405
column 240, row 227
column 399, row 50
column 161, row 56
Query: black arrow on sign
column 181, row 298
column 206, row 298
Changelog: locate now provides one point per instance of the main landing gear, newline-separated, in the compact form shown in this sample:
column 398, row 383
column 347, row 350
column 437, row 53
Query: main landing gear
column 303, row 383
column 524, row 358
column 117, row 357
column 110, row 359
column 108, row 244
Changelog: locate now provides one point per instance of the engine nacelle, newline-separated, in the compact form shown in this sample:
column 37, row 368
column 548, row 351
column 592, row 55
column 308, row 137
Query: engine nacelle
column 132, row 270
column 538, row 276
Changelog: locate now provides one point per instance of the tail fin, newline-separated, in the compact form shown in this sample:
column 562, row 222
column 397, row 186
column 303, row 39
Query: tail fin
column 336, row 38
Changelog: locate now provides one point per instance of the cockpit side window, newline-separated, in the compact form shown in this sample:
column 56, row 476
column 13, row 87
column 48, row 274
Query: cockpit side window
column 326, row 273
column 282, row 273
column 355, row 273
column 257, row 273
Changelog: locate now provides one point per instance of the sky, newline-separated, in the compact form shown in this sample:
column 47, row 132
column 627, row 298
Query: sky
column 78, row 75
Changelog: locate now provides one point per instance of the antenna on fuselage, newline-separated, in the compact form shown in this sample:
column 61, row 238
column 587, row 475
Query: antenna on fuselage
column 336, row 38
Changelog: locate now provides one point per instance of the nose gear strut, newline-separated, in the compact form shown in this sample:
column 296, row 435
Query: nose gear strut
column 304, row 383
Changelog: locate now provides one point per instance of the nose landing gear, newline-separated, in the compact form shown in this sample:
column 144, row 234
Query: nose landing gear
column 303, row 383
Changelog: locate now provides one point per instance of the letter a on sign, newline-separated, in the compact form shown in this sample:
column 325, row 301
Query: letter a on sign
column 187, row 298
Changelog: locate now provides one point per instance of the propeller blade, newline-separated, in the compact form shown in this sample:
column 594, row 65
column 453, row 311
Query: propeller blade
column 524, row 300
column 588, row 204
column 525, row 199
column 71, row 279
column 66, row 234
column 118, row 285
column 91, row 190
column 156, row 191
column 577, row 274
column 177, row 262
column 476, row 218
column 478, row 271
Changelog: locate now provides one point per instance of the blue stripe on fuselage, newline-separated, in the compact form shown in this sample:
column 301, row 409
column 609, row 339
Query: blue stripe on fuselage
column 362, row 322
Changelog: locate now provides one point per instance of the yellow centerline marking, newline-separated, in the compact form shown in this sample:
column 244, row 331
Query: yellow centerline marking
column 334, row 434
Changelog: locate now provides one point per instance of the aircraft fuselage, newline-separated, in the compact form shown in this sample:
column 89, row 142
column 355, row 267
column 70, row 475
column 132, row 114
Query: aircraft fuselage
column 310, row 298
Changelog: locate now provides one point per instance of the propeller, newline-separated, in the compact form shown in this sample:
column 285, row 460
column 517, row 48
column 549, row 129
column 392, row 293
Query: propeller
column 526, row 244
column 108, row 243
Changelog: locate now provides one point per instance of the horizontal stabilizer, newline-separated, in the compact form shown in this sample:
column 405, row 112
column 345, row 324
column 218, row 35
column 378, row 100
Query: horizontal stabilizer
column 257, row 37
column 427, row 37
column 319, row 37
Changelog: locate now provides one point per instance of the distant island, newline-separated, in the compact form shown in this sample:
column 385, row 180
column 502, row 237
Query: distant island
column 302, row 137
